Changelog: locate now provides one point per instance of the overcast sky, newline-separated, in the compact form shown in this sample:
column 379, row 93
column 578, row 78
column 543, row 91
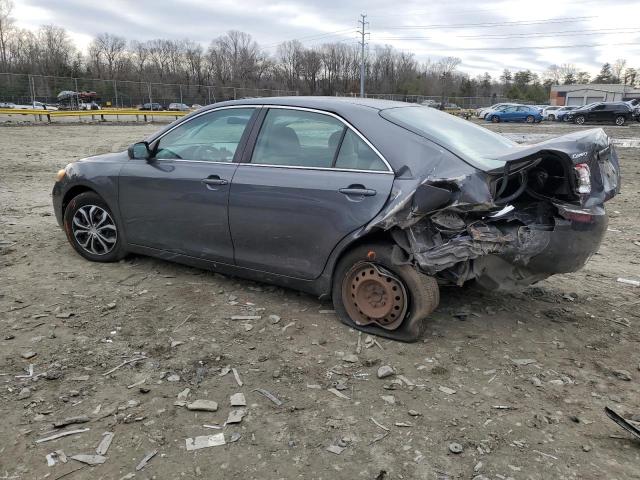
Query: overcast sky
column 468, row 29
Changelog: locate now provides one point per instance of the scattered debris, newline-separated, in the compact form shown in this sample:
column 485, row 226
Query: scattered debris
column 235, row 436
column 414, row 413
column 524, row 361
column 389, row 399
column 126, row 362
column 335, row 449
column 455, row 448
column 385, row 371
column 105, row 443
column 71, row 421
column 246, row 317
column 238, row 400
column 269, row 395
column 337, row 393
column 205, row 441
column 236, row 416
column 62, row 434
column 28, row 355
column 24, row 393
column 447, row 390
column 89, row 459
column 145, row 460
column 55, row 457
column 403, row 424
column 29, row 371
column 274, row 319
column 174, row 377
column 237, row 377
column 137, row 384
column 350, row 358
column 203, row 406
column 635, row 283
column 378, row 424
column 183, row 322
column 622, row 422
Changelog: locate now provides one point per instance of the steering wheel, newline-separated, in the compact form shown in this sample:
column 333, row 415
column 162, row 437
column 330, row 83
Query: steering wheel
column 206, row 152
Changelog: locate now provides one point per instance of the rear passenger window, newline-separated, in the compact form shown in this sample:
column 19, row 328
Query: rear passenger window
column 298, row 138
column 357, row 155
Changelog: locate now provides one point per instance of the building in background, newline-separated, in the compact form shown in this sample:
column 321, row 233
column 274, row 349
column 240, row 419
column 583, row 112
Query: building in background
column 577, row 95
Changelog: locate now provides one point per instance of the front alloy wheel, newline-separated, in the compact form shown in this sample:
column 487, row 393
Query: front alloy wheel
column 620, row 120
column 94, row 230
column 530, row 119
column 495, row 119
column 579, row 120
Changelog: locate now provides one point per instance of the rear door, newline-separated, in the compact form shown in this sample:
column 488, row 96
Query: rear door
column 177, row 201
column 309, row 181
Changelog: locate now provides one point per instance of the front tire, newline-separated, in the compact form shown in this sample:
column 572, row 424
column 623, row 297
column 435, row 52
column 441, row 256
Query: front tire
column 530, row 119
column 92, row 229
column 620, row 120
column 551, row 117
column 495, row 119
column 372, row 294
column 579, row 120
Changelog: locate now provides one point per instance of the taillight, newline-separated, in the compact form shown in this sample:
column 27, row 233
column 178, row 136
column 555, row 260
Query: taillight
column 584, row 177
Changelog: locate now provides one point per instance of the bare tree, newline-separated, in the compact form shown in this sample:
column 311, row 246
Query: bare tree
column 6, row 27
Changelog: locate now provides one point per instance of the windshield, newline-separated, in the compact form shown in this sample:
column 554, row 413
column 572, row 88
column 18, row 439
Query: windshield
column 472, row 143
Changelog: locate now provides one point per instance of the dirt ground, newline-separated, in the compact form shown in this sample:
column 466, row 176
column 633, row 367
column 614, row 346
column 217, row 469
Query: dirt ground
column 518, row 381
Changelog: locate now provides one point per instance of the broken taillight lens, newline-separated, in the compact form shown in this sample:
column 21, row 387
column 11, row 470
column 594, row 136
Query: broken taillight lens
column 583, row 173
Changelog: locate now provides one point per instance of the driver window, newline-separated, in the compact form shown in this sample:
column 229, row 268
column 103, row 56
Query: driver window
column 212, row 137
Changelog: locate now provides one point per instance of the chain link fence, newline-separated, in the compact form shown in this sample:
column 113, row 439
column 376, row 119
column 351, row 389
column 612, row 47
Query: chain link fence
column 462, row 102
column 24, row 89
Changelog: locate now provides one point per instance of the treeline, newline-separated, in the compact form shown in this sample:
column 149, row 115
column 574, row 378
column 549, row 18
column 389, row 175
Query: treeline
column 235, row 59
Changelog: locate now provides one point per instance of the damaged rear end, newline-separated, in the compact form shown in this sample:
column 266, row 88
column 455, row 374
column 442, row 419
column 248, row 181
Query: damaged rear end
column 529, row 213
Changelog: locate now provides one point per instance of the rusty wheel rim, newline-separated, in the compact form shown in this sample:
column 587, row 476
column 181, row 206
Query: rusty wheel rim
column 372, row 294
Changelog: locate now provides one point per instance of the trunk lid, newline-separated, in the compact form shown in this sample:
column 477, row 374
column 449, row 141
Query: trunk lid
column 589, row 160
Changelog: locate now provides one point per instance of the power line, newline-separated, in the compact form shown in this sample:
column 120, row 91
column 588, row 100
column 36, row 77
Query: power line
column 548, row 47
column 310, row 38
column 486, row 24
column 564, row 33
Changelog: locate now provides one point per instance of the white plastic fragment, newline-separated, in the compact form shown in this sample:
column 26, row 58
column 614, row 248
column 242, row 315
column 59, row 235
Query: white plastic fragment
column 205, row 441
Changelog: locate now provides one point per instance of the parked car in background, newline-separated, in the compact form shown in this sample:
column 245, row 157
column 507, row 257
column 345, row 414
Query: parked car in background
column 617, row 113
column 178, row 107
column 451, row 106
column 561, row 113
column 549, row 113
column 7, row 105
column 196, row 106
column 152, row 106
column 430, row 103
column 482, row 112
column 515, row 113
column 36, row 106
column 541, row 107
column 314, row 199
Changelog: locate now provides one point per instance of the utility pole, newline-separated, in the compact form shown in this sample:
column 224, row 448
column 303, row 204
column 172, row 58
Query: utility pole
column 362, row 23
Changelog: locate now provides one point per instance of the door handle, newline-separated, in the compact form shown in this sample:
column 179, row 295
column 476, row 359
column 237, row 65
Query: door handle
column 214, row 180
column 358, row 190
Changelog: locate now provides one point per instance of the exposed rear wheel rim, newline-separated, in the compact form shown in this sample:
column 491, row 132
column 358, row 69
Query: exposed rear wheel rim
column 94, row 230
column 620, row 121
column 530, row 119
column 580, row 120
column 372, row 294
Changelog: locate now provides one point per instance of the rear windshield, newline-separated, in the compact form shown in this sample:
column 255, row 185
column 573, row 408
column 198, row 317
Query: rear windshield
column 472, row 143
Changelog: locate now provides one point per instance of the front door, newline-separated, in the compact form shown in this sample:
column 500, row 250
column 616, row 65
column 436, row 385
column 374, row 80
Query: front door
column 177, row 201
column 311, row 181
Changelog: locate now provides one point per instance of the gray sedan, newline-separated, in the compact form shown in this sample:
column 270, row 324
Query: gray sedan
column 372, row 203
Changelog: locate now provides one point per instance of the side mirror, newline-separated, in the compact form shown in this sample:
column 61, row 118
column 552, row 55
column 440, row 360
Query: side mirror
column 139, row 151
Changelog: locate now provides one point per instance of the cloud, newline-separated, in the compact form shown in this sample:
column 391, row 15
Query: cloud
column 430, row 31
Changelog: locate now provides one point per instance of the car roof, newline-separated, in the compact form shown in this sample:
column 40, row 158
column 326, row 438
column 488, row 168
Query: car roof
column 334, row 104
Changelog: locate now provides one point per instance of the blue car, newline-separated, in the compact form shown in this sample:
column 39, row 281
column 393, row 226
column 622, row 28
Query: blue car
column 515, row 113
